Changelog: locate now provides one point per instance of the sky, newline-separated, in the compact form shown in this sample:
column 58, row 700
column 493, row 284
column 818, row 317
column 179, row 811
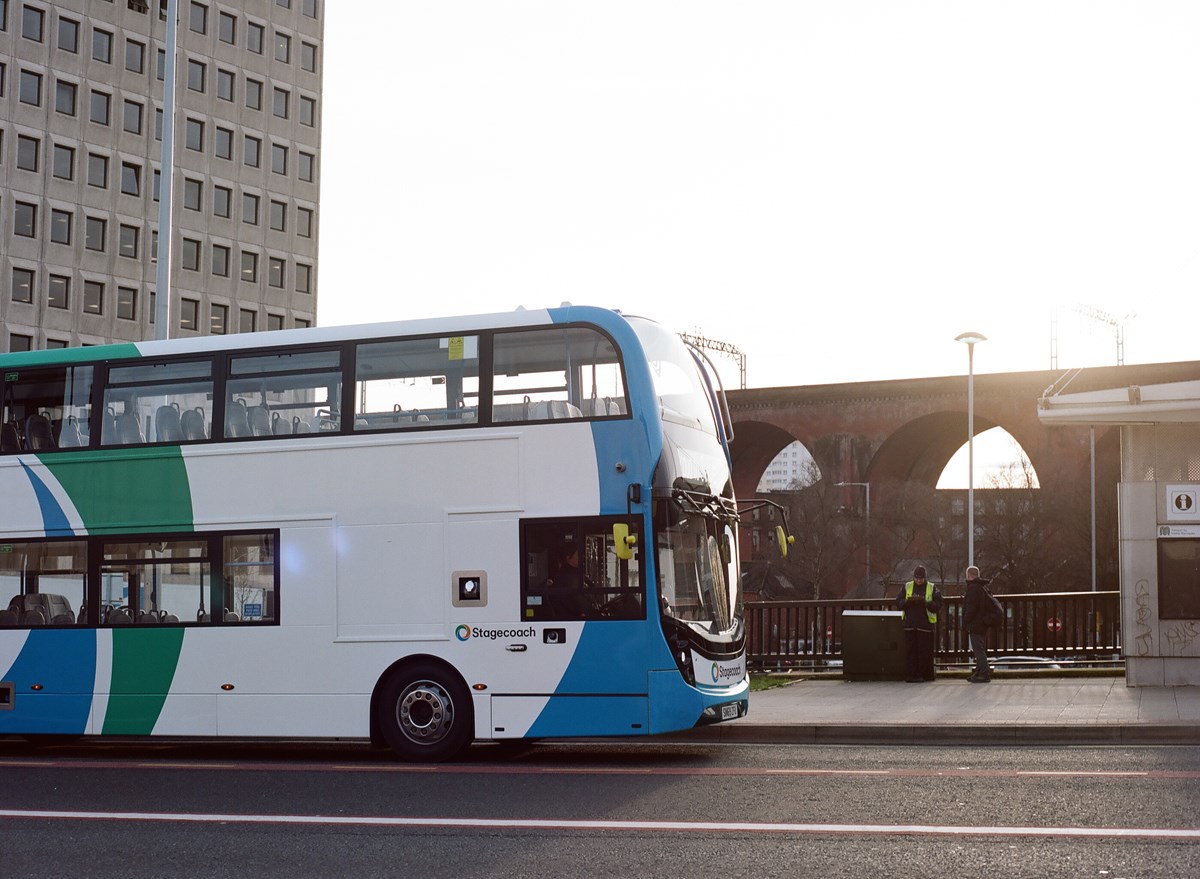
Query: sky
column 838, row 189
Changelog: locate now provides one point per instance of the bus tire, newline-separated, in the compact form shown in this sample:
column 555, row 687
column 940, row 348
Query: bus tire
column 424, row 712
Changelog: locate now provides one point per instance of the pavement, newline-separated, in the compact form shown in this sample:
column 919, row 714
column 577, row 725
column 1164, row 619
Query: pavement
column 1061, row 709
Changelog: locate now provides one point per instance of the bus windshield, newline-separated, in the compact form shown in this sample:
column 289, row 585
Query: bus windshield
column 698, row 565
column 681, row 396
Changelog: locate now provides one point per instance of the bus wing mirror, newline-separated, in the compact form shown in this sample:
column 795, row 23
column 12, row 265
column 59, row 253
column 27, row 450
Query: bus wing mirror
column 623, row 541
column 784, row 540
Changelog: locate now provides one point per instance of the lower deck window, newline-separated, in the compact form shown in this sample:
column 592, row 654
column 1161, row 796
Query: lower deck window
column 117, row 581
column 571, row 572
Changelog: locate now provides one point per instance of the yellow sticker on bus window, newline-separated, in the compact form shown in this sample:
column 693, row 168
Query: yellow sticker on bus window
column 456, row 347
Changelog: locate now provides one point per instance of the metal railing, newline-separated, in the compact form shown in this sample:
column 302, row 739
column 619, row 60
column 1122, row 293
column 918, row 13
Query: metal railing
column 1066, row 627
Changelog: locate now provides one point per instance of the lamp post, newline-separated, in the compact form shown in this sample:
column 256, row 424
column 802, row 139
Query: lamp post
column 867, row 486
column 166, row 175
column 970, row 339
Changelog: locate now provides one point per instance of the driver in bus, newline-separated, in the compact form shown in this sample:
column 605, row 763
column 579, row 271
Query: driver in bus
column 566, row 594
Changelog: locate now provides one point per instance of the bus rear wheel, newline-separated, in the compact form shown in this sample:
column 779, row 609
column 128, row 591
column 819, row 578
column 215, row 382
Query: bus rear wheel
column 424, row 713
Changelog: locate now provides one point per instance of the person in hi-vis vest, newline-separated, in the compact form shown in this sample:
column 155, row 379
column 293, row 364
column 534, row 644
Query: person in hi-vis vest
column 920, row 600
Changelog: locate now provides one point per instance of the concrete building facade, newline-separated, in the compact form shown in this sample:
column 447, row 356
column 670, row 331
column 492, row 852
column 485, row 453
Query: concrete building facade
column 81, row 118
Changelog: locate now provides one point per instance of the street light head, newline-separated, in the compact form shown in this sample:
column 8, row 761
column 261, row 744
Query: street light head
column 971, row 338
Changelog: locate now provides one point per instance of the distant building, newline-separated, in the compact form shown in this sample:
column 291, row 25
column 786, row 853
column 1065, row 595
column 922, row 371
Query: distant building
column 788, row 470
column 81, row 98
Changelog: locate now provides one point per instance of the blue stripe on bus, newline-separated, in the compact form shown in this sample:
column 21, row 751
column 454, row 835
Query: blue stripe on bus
column 54, row 520
column 62, row 662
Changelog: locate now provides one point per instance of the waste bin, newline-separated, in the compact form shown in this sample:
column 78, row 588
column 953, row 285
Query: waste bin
column 873, row 645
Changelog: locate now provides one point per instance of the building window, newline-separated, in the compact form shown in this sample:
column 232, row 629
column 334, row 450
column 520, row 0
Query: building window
column 225, row 80
column 157, row 184
column 286, row 4
column 131, row 178
column 27, row 152
column 95, row 230
column 227, row 28
column 223, row 143
column 302, row 324
column 303, row 278
column 18, row 342
column 279, row 106
column 30, row 88
column 279, row 216
column 93, row 297
column 252, row 146
column 254, row 94
column 308, row 57
column 278, row 158
column 308, row 111
column 198, row 19
column 127, row 241
column 191, row 254
column 195, row 75
column 133, row 117
column 194, row 137
column 283, row 47
column 64, row 97
column 304, row 218
column 135, row 56
column 276, row 268
column 60, row 292
column 254, row 37
column 247, row 320
column 64, row 162
column 218, row 319
column 22, row 285
column 274, row 321
column 220, row 260
column 56, row 344
column 32, row 22
column 158, row 123
column 68, row 35
column 250, row 209
column 99, row 108
column 60, row 226
column 25, row 219
column 310, row 8
column 189, row 314
column 127, row 303
column 249, row 267
column 307, row 161
column 101, row 46
column 222, row 201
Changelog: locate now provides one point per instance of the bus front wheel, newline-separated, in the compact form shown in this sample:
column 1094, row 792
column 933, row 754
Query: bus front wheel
column 425, row 713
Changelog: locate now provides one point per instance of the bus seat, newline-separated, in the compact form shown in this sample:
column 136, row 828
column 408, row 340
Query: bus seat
column 145, row 617
column 129, row 428
column 63, row 619
column 38, row 433
column 280, row 426
column 167, row 424
column 118, row 616
column 545, row 410
column 259, row 418
column 108, row 428
column 33, row 617
column 236, row 421
column 299, row 425
column 170, row 618
column 191, row 423
column 70, row 437
column 231, row 617
column 10, row 437
column 9, row 617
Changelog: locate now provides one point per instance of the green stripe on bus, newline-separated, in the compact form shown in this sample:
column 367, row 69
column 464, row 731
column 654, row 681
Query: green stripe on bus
column 144, row 489
column 143, row 666
column 69, row 355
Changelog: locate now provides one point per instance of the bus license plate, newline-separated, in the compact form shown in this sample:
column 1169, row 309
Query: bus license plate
column 729, row 712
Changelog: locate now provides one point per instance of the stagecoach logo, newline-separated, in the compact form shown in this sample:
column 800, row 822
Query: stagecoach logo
column 465, row 633
column 726, row 673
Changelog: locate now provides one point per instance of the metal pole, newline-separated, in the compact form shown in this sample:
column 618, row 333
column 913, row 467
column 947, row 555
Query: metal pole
column 166, row 237
column 1093, row 462
column 970, row 453
column 867, row 485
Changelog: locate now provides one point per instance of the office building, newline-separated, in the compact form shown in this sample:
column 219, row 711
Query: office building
column 81, row 124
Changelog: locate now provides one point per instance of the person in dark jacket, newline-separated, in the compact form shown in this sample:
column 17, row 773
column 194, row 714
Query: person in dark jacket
column 920, row 600
column 976, row 603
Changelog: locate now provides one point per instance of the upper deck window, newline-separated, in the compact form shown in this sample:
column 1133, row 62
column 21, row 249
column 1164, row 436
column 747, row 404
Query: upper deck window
column 556, row 373
column 681, row 394
column 46, row 408
column 409, row 383
column 157, row 402
column 283, row 394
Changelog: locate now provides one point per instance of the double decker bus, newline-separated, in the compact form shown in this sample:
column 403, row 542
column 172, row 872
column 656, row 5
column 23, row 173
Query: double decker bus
column 424, row 533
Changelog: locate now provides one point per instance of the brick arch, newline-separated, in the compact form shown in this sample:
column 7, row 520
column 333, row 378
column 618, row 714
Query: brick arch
column 920, row 450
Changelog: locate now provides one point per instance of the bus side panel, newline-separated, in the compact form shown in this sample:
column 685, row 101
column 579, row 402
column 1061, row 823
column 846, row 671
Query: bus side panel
column 52, row 672
column 570, row 716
